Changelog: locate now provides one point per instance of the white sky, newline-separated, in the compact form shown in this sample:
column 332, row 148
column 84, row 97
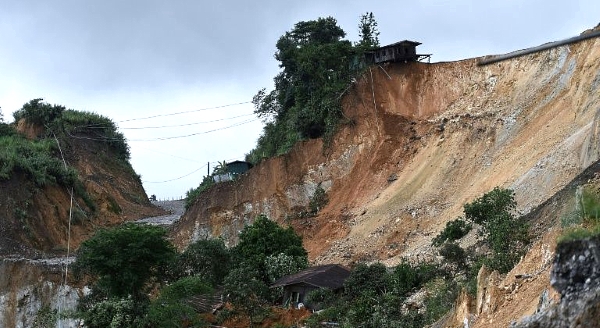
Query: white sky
column 133, row 59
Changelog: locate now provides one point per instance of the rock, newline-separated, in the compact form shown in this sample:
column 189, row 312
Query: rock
column 576, row 277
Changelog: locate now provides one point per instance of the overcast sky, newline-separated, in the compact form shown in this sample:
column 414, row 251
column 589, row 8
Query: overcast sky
column 132, row 59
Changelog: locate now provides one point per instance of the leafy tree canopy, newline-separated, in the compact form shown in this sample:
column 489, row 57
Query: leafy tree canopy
column 264, row 238
column 125, row 258
column 368, row 32
column 317, row 66
column 208, row 259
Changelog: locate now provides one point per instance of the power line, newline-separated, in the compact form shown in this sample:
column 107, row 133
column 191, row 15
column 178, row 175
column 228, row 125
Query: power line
column 197, row 133
column 187, row 124
column 185, row 112
column 163, row 138
column 163, row 153
column 181, row 177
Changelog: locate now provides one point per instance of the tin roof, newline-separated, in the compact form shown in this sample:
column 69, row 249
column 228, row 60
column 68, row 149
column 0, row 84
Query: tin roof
column 402, row 43
column 324, row 276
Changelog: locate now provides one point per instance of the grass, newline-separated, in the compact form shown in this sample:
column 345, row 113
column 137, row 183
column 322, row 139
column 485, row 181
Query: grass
column 578, row 233
column 584, row 221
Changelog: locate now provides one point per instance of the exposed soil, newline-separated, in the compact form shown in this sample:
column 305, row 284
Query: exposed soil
column 36, row 219
column 424, row 140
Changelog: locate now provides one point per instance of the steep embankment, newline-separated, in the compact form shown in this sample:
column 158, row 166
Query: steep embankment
column 35, row 219
column 35, row 224
column 424, row 140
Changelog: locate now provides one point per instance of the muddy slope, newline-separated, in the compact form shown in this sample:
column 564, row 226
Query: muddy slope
column 424, row 139
column 35, row 220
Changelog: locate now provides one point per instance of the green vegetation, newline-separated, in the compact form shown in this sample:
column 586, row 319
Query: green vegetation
column 173, row 308
column 208, row 259
column 129, row 262
column 36, row 159
column 373, row 296
column 454, row 230
column 584, row 222
column 68, row 124
column 317, row 67
column 503, row 232
column 41, row 159
column 126, row 258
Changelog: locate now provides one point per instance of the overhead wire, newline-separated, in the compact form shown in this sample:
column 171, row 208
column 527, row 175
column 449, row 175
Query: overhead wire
column 184, row 112
column 178, row 178
column 186, row 124
column 197, row 133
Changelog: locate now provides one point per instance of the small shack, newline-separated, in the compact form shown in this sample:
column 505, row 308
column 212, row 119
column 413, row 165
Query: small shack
column 403, row 51
column 298, row 285
column 234, row 169
column 238, row 167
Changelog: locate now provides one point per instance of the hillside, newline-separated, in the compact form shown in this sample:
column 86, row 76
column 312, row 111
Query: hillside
column 35, row 218
column 424, row 140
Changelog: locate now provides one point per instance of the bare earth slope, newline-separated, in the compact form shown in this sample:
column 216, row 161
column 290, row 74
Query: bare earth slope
column 35, row 220
column 426, row 139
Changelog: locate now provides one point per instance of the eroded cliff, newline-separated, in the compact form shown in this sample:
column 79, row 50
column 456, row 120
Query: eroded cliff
column 423, row 140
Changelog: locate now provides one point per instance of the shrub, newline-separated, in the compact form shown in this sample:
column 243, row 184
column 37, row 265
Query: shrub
column 125, row 258
column 208, row 259
column 38, row 112
column 114, row 312
column 173, row 308
column 454, row 255
column 454, row 230
column 318, row 200
column 505, row 233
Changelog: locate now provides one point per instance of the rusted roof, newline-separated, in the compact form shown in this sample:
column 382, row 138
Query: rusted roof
column 324, row 276
column 402, row 43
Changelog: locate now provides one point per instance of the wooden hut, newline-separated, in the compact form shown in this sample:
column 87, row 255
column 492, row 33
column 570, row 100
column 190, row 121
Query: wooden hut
column 403, row 51
column 298, row 285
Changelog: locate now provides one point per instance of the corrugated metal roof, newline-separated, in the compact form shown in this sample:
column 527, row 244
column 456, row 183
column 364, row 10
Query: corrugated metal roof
column 324, row 276
column 403, row 42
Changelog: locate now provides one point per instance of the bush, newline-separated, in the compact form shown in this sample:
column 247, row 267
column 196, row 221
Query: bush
column 115, row 313
column 34, row 158
column 318, row 200
column 454, row 230
column 506, row 234
column 208, row 259
column 442, row 295
column 125, row 258
column 371, row 279
column 454, row 255
column 173, row 308
column 38, row 112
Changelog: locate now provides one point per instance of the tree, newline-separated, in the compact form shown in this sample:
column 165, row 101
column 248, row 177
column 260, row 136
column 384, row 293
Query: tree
column 315, row 71
column 505, row 233
column 173, row 307
column 246, row 290
column 264, row 238
column 368, row 32
column 208, row 259
column 371, row 279
column 125, row 258
column 282, row 264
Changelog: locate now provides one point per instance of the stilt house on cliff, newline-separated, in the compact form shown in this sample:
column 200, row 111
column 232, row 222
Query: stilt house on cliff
column 403, row 51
